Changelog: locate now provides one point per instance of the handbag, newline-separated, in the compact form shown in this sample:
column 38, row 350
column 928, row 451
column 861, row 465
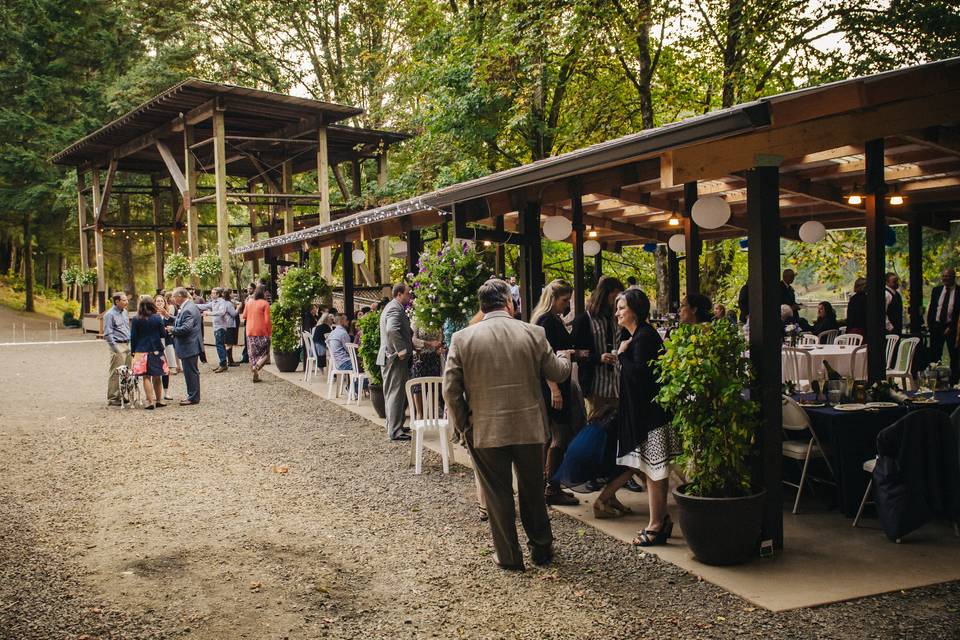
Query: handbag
column 140, row 364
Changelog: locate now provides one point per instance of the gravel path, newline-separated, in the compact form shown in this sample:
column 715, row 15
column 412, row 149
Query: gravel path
column 265, row 512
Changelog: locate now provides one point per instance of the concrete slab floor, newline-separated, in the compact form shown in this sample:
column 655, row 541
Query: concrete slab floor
column 824, row 559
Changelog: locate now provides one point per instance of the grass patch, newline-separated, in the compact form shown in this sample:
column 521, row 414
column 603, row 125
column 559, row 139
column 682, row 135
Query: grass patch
column 46, row 302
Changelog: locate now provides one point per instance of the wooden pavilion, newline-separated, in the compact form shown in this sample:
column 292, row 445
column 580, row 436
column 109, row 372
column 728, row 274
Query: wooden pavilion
column 778, row 162
column 257, row 138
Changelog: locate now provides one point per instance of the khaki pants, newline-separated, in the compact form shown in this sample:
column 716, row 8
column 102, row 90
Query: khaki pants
column 118, row 358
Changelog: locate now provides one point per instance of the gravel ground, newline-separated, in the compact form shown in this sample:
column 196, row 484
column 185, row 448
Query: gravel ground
column 265, row 512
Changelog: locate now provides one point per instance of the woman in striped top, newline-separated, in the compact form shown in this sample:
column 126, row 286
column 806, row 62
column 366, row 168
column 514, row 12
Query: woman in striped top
column 595, row 339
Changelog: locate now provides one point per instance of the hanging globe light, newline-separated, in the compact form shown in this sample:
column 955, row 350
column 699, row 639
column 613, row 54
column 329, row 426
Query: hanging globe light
column 677, row 243
column 812, row 231
column 711, row 212
column 591, row 248
column 557, row 228
column 358, row 255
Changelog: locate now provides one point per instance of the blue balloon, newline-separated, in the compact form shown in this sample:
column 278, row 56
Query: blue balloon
column 743, row 243
column 650, row 247
column 891, row 237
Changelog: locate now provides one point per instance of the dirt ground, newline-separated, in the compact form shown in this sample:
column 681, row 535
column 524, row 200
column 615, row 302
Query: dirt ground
column 266, row 512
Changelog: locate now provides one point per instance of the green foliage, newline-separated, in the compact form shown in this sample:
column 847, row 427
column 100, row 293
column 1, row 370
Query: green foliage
column 87, row 278
column 177, row 267
column 71, row 275
column 369, row 326
column 207, row 267
column 703, row 373
column 299, row 287
column 446, row 286
column 285, row 320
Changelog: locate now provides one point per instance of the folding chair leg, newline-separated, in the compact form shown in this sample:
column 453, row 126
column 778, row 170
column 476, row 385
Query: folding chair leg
column 418, row 469
column 863, row 503
column 445, row 449
column 803, row 480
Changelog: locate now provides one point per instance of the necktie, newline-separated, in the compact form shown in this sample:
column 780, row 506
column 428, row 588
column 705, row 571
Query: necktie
column 944, row 303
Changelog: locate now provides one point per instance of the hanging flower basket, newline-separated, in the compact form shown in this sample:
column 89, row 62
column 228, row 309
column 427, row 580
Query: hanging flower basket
column 445, row 287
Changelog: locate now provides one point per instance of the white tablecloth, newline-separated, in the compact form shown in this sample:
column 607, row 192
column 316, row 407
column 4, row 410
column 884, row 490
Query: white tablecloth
column 837, row 355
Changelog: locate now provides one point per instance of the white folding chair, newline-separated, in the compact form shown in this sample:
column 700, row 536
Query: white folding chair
column 868, row 466
column 310, row 363
column 849, row 339
column 828, row 336
column 903, row 368
column 892, row 340
column 430, row 419
column 795, row 419
column 338, row 377
column 807, row 339
column 841, row 331
column 357, row 378
column 858, row 363
column 797, row 367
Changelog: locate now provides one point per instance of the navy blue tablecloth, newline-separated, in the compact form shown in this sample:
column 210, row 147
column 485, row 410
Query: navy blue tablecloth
column 850, row 439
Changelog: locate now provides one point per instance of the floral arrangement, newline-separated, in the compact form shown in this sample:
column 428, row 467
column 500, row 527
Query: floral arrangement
column 703, row 374
column 445, row 288
column 297, row 289
column 207, row 268
column 177, row 267
column 87, row 278
column 71, row 275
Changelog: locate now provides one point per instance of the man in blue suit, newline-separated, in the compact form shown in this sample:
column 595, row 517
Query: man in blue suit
column 187, row 342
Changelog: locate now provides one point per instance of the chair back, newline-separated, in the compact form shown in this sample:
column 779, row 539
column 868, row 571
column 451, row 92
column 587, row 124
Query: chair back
column 849, row 339
column 807, row 339
column 308, row 345
column 331, row 365
column 841, row 331
column 431, row 390
column 905, row 353
column 858, row 363
column 797, row 365
column 828, row 336
column 352, row 350
column 892, row 340
column 794, row 417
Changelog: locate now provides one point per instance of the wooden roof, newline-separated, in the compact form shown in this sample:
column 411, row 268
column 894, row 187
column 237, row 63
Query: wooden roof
column 248, row 113
column 632, row 186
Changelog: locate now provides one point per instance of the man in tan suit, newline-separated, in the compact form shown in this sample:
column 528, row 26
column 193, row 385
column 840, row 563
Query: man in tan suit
column 492, row 389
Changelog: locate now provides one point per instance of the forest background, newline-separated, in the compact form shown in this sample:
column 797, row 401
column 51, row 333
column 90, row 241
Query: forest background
column 483, row 84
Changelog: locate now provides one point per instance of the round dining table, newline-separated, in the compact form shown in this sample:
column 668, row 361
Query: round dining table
column 839, row 357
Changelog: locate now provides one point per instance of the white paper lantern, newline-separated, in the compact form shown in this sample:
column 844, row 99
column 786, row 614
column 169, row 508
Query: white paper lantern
column 557, row 228
column 812, row 231
column 677, row 243
column 591, row 248
column 358, row 256
column 711, row 212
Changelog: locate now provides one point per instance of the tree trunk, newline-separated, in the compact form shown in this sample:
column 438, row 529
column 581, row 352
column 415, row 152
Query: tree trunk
column 663, row 279
column 646, row 65
column 126, row 253
column 27, row 265
column 731, row 53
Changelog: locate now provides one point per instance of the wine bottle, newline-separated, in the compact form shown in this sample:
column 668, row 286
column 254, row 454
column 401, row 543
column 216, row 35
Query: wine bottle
column 832, row 374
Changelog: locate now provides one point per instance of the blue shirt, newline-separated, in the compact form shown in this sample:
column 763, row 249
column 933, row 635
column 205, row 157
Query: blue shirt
column 337, row 340
column 222, row 311
column 116, row 326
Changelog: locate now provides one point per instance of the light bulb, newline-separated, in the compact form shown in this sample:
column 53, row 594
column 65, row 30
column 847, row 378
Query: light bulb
column 854, row 198
column 593, row 233
column 674, row 221
column 896, row 200
column 486, row 243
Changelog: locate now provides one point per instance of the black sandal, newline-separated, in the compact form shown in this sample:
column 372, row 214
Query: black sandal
column 654, row 537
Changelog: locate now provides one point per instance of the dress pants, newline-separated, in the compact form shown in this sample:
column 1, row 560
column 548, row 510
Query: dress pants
column 191, row 376
column 219, row 337
column 396, row 372
column 493, row 468
column 938, row 338
column 118, row 358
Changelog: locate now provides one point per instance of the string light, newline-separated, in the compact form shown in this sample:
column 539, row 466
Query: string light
column 592, row 233
column 674, row 221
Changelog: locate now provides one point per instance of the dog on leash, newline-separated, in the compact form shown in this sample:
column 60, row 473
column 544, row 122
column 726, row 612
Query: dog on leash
column 129, row 388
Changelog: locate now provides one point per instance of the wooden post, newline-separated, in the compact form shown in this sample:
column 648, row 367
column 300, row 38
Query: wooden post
column 673, row 276
column 598, row 266
column 286, row 209
column 915, row 233
column 189, row 208
column 876, row 222
column 98, row 245
column 252, row 212
column 500, row 257
column 157, row 236
column 323, row 187
column 691, row 234
column 763, row 231
column 444, row 231
column 531, row 258
column 576, row 200
column 174, row 210
column 346, row 255
column 414, row 249
column 220, row 178
column 84, row 245
column 384, row 243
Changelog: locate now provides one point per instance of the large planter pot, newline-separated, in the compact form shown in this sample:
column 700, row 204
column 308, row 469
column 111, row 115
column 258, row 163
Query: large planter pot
column 376, row 399
column 720, row 531
column 286, row 361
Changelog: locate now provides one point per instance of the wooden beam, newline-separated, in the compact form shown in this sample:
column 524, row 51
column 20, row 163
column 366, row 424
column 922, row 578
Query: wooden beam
column 579, row 294
column 816, row 191
column 220, row 178
column 198, row 114
column 717, row 158
column 98, row 243
column 323, row 188
column 691, row 235
column 189, row 206
column 384, row 242
column 101, row 208
column 341, row 184
column 82, row 221
column 157, row 237
column 943, row 139
column 175, row 174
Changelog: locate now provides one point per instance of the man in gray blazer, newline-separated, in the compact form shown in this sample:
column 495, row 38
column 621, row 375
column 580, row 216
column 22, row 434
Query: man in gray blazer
column 396, row 351
column 491, row 385
column 187, row 342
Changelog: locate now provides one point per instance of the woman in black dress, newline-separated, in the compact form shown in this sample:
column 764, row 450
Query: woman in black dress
column 146, row 342
column 826, row 319
column 646, row 442
column 557, row 396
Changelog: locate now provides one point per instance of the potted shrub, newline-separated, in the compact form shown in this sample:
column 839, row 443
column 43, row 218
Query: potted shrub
column 298, row 288
column 704, row 373
column 369, row 326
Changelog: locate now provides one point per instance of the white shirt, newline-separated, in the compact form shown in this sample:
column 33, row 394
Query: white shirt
column 948, row 295
column 888, row 296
